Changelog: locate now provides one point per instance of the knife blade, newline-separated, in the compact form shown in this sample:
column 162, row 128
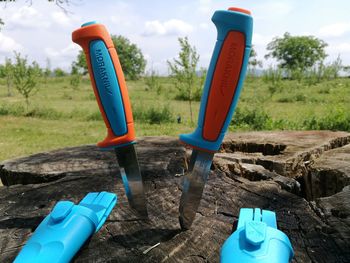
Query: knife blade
column 220, row 96
column 111, row 93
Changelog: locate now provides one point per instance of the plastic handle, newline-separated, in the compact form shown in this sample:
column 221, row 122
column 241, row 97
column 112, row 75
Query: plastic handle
column 224, row 78
column 257, row 240
column 108, row 82
column 65, row 230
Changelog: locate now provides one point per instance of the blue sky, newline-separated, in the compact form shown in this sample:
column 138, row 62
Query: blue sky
column 42, row 30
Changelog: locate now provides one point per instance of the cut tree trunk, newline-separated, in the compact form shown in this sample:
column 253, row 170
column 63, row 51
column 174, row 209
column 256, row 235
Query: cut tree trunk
column 302, row 176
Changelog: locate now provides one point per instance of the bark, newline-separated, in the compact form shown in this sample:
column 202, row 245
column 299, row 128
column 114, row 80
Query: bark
column 275, row 171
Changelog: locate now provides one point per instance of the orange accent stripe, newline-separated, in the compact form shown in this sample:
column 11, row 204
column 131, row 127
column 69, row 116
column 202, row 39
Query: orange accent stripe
column 241, row 10
column 224, row 84
column 83, row 36
column 122, row 85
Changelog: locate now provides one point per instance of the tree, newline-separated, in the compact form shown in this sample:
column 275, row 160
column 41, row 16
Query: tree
column 47, row 70
column 130, row 56
column 80, row 66
column 25, row 76
column 75, row 81
column 152, row 82
column 58, row 72
column 183, row 70
column 253, row 62
column 6, row 72
column 347, row 69
column 297, row 53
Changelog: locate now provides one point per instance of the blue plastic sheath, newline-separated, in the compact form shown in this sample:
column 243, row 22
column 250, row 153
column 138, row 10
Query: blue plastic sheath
column 225, row 22
column 108, row 86
column 269, row 218
column 63, row 232
column 257, row 240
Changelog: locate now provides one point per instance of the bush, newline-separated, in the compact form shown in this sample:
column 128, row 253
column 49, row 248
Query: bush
column 15, row 110
column 95, row 116
column 182, row 95
column 44, row 113
column 75, row 80
column 153, row 115
column 19, row 110
column 326, row 90
column 153, row 83
column 58, row 72
column 251, row 118
column 296, row 98
column 283, row 124
column 273, row 77
column 67, row 96
column 336, row 120
column 159, row 115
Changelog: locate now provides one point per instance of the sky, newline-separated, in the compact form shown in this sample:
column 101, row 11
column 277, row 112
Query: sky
column 42, row 30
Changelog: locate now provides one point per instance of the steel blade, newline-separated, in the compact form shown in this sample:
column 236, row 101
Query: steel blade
column 192, row 160
column 193, row 187
column 131, row 177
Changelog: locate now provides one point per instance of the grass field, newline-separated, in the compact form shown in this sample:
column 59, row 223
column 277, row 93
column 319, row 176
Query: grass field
column 60, row 116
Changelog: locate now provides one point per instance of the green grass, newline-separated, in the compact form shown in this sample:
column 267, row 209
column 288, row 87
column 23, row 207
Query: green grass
column 60, row 116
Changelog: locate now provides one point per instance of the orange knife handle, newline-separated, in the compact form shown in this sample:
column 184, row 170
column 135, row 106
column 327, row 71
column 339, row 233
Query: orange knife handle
column 108, row 83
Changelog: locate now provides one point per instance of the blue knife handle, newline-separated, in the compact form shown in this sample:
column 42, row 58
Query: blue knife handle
column 224, row 78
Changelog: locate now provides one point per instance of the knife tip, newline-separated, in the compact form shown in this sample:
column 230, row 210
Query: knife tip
column 185, row 224
column 142, row 213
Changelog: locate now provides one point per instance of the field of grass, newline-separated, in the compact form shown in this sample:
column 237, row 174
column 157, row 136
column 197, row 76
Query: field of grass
column 60, row 115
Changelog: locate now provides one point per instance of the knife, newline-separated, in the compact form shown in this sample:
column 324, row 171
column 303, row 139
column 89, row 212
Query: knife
column 220, row 96
column 110, row 90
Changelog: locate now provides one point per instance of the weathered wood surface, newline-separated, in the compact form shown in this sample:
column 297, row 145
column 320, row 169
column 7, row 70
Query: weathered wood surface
column 273, row 171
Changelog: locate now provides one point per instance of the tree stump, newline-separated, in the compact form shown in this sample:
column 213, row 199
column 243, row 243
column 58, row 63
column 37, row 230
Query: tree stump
column 303, row 176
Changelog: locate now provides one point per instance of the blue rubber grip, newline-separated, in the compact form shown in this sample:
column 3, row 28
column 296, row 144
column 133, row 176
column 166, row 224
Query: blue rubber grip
column 108, row 87
column 64, row 231
column 225, row 22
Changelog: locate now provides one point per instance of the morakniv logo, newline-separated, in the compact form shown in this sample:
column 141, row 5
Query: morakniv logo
column 102, row 71
column 229, row 65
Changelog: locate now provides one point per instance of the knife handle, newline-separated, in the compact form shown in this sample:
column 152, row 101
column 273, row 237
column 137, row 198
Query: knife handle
column 108, row 82
column 224, row 78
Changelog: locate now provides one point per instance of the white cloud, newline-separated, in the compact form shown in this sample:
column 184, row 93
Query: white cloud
column 334, row 30
column 117, row 19
column 205, row 7
column 147, row 57
column 170, row 27
column 343, row 47
column 8, row 44
column 62, row 57
column 281, row 8
column 28, row 17
column 204, row 25
column 339, row 48
column 121, row 21
column 261, row 40
column 278, row 8
column 63, row 19
column 68, row 52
